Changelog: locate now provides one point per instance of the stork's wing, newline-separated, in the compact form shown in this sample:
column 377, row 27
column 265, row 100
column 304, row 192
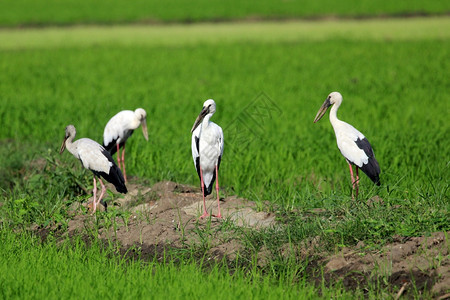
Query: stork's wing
column 117, row 130
column 115, row 175
column 91, row 154
column 195, row 149
column 220, row 142
column 355, row 147
column 111, row 146
column 95, row 158
column 372, row 168
column 111, row 133
column 346, row 136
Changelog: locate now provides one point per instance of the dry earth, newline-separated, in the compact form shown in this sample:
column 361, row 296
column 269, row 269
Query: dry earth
column 166, row 215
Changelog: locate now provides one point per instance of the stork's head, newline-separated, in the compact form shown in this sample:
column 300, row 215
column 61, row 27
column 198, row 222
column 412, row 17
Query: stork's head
column 140, row 114
column 209, row 108
column 210, row 105
column 333, row 98
column 142, row 117
column 70, row 133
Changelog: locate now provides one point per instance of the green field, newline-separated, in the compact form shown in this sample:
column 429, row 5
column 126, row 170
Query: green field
column 393, row 75
column 76, row 271
column 29, row 12
column 45, row 89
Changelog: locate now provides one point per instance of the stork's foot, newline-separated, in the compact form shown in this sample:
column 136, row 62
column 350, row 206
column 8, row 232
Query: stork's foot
column 205, row 214
column 219, row 216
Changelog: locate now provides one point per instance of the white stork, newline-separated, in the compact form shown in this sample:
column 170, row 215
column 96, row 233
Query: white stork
column 119, row 128
column 95, row 158
column 353, row 145
column 207, row 150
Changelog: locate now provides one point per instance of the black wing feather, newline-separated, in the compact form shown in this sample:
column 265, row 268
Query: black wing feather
column 112, row 148
column 115, row 175
column 372, row 168
column 197, row 159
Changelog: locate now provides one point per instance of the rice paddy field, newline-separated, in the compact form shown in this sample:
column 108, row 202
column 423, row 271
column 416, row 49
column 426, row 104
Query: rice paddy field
column 42, row 13
column 268, row 79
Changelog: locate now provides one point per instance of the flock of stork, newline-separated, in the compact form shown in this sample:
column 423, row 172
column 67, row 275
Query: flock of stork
column 207, row 149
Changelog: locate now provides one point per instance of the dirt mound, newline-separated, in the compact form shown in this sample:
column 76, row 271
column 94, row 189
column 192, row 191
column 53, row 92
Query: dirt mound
column 417, row 263
column 149, row 219
column 168, row 213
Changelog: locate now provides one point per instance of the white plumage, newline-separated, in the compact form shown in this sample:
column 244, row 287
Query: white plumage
column 346, row 137
column 207, row 149
column 353, row 145
column 119, row 128
column 94, row 157
column 90, row 154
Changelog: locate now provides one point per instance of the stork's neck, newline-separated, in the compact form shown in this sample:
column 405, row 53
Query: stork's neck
column 205, row 121
column 135, row 123
column 333, row 114
column 70, row 145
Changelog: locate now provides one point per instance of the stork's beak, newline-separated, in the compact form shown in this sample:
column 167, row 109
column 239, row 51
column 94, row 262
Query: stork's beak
column 144, row 129
column 63, row 146
column 200, row 118
column 322, row 110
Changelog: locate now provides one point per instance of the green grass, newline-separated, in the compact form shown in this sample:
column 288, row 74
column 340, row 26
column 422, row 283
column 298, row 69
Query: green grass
column 394, row 79
column 34, row 270
column 394, row 92
column 29, row 12
column 389, row 94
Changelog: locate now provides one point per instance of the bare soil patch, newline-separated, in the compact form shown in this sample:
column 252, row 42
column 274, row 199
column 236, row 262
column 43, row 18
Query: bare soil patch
column 419, row 263
column 165, row 216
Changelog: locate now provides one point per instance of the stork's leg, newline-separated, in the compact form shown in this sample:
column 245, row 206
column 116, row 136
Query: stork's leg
column 102, row 192
column 351, row 174
column 123, row 163
column 95, row 194
column 357, row 182
column 353, row 178
column 217, row 192
column 205, row 213
column 118, row 156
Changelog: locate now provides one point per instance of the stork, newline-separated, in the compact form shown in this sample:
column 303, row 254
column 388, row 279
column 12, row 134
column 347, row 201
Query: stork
column 353, row 145
column 207, row 150
column 119, row 128
column 95, row 158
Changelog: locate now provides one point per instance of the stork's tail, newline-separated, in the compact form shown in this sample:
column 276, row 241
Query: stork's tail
column 208, row 189
column 117, row 179
column 115, row 175
column 111, row 147
column 372, row 170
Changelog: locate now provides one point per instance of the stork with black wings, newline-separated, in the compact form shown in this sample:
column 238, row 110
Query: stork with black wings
column 207, row 150
column 353, row 145
column 94, row 157
column 119, row 128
